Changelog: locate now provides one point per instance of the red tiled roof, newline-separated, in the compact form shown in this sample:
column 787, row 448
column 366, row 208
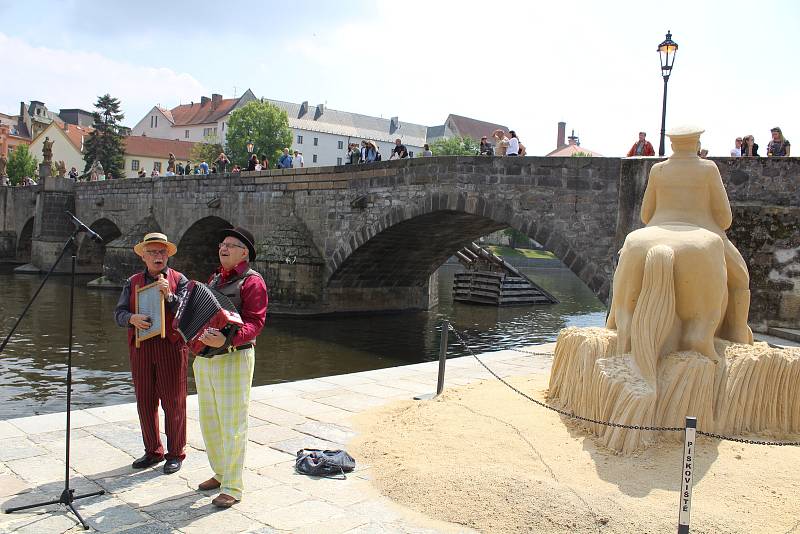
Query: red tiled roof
column 473, row 128
column 168, row 114
column 139, row 145
column 197, row 113
column 569, row 150
column 76, row 135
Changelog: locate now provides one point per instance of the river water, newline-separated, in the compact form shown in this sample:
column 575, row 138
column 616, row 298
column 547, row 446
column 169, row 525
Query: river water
column 33, row 365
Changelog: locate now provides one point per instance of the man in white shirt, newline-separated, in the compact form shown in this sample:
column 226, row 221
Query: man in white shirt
column 736, row 152
column 297, row 161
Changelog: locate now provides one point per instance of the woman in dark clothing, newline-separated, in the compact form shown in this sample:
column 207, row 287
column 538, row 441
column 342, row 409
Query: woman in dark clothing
column 749, row 146
column 251, row 165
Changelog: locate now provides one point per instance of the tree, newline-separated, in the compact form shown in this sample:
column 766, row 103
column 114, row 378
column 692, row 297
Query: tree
column 208, row 150
column 261, row 123
column 455, row 146
column 105, row 143
column 20, row 164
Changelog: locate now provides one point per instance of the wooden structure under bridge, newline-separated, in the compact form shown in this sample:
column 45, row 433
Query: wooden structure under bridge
column 489, row 279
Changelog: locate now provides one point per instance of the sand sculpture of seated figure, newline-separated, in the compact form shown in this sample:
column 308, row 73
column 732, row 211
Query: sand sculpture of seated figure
column 677, row 342
column 686, row 261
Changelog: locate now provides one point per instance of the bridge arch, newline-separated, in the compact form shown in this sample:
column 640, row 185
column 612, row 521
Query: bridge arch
column 197, row 248
column 400, row 249
column 91, row 255
column 25, row 241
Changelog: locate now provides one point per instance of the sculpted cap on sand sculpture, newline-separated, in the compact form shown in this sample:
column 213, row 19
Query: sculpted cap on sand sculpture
column 677, row 327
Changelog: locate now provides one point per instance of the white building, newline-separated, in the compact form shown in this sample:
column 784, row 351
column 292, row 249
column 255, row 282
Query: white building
column 321, row 134
column 196, row 122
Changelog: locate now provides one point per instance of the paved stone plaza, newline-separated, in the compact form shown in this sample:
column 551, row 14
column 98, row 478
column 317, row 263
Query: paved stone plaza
column 283, row 418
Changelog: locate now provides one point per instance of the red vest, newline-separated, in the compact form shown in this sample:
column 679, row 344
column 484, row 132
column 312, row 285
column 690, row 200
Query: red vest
column 137, row 281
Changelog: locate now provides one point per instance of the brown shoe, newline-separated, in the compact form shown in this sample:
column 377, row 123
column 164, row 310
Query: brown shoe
column 210, row 484
column 224, row 501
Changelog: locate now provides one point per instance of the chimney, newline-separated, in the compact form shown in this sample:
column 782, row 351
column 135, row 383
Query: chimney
column 562, row 132
column 216, row 100
column 394, row 124
column 303, row 109
column 204, row 100
column 320, row 111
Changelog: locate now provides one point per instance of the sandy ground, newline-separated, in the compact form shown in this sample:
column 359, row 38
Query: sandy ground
column 484, row 457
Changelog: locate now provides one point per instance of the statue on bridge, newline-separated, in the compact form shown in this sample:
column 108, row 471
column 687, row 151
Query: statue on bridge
column 96, row 171
column 47, row 151
column 171, row 163
column 676, row 341
column 3, row 166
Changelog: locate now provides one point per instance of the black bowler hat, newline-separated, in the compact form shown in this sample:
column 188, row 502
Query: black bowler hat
column 243, row 235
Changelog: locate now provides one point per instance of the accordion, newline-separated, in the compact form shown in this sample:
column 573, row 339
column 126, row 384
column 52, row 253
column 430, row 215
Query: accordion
column 203, row 308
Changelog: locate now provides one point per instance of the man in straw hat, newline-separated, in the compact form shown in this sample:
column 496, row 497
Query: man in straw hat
column 158, row 365
column 223, row 382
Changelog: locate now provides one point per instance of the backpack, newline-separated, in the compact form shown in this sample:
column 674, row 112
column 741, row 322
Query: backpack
column 377, row 156
column 318, row 463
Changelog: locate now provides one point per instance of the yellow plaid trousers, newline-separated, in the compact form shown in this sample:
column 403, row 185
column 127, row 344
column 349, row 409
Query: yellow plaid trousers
column 223, row 393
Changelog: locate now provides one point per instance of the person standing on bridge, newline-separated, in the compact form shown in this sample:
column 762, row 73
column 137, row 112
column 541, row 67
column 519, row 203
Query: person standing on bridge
column 158, row 365
column 779, row 146
column 224, row 381
column 297, row 160
column 222, row 163
column 285, row 161
column 400, row 151
column 642, row 147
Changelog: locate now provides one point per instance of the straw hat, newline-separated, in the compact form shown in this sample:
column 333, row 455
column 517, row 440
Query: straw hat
column 155, row 237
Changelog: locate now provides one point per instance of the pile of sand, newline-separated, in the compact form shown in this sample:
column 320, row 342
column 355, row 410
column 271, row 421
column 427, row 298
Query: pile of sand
column 484, row 457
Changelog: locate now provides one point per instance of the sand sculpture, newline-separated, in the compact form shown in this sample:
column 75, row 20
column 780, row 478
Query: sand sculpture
column 677, row 342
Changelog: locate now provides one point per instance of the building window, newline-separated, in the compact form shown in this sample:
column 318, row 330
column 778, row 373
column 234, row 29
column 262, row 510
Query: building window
column 215, row 131
column 154, row 121
column 339, row 160
column 314, row 158
column 299, row 139
column 134, row 164
column 223, row 126
column 157, row 166
column 341, row 145
column 316, row 141
column 207, row 132
column 186, row 134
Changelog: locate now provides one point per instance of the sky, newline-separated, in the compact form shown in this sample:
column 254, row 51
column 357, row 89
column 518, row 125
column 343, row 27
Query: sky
column 527, row 65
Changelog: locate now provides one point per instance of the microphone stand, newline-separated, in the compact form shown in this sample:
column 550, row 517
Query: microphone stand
column 68, row 495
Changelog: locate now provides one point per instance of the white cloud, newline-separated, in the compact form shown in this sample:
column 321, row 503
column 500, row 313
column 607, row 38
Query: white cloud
column 74, row 79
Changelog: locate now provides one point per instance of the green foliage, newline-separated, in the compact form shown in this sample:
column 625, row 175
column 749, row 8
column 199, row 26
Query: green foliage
column 580, row 155
column 208, row 150
column 20, row 164
column 516, row 238
column 105, row 143
column 455, row 146
column 263, row 124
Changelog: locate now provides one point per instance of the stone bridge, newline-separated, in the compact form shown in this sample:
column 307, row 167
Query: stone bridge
column 370, row 237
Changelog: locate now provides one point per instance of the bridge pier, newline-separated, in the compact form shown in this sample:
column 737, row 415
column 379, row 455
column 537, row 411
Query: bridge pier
column 383, row 299
column 51, row 226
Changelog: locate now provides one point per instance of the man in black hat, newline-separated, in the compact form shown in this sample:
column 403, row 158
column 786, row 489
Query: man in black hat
column 223, row 381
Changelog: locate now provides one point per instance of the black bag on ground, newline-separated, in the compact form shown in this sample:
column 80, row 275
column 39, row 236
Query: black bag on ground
column 319, row 463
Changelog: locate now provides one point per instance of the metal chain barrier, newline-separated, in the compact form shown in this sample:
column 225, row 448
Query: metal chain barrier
column 572, row 415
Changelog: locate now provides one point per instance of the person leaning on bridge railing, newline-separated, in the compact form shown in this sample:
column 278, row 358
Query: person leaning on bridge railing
column 779, row 146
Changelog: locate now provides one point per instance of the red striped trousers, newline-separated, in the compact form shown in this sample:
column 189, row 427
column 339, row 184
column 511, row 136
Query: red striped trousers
column 158, row 368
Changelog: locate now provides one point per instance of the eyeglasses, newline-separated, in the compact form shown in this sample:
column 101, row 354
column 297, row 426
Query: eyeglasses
column 230, row 245
column 159, row 252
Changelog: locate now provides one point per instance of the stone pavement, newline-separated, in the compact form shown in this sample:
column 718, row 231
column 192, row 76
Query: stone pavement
column 283, row 418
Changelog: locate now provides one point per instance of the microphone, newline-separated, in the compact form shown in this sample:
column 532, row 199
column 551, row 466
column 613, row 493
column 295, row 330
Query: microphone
column 94, row 236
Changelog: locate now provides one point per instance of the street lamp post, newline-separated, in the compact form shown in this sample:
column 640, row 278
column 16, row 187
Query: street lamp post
column 666, row 53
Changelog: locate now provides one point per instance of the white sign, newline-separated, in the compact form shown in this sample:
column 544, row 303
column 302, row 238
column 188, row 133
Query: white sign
column 687, row 469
